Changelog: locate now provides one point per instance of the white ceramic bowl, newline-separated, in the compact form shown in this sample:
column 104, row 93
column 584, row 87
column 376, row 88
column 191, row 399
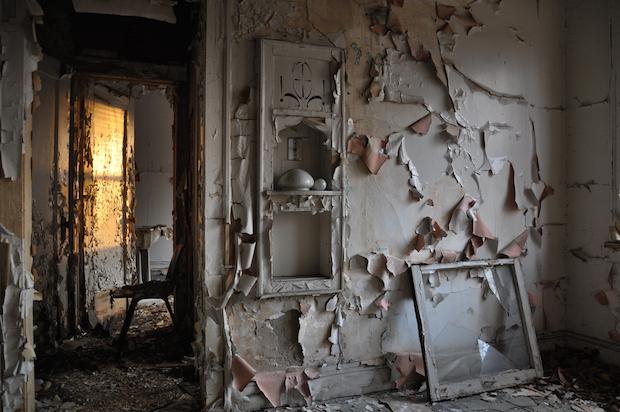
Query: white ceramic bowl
column 295, row 179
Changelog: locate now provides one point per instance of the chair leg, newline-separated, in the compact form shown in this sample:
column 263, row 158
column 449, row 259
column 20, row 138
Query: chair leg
column 174, row 322
column 128, row 317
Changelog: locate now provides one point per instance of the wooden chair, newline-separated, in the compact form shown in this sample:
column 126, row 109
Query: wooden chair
column 154, row 289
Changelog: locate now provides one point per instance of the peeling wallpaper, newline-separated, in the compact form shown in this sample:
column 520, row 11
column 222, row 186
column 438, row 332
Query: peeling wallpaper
column 451, row 101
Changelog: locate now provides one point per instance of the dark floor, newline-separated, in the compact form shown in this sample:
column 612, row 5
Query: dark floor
column 574, row 381
column 153, row 374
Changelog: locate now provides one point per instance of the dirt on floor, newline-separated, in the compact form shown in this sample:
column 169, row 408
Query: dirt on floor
column 575, row 380
column 89, row 373
column 154, row 373
column 582, row 373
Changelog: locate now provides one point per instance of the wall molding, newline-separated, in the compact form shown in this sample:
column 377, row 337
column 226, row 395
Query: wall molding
column 609, row 350
column 356, row 379
column 341, row 381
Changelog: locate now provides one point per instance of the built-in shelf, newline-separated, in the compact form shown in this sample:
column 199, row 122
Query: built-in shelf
column 302, row 113
column 304, row 192
column 301, row 252
column 613, row 244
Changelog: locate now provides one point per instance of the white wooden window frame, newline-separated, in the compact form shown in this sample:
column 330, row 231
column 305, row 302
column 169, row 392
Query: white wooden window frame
column 442, row 391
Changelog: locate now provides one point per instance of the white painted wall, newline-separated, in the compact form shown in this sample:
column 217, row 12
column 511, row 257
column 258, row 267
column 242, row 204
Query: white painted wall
column 505, row 85
column 154, row 118
column 593, row 55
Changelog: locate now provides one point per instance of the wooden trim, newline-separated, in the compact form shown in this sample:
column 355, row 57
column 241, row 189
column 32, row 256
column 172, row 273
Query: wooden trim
column 465, row 265
column 268, row 50
column 526, row 316
column 441, row 391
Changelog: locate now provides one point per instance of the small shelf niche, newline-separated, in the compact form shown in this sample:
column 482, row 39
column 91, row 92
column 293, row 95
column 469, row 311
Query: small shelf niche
column 301, row 245
column 302, row 147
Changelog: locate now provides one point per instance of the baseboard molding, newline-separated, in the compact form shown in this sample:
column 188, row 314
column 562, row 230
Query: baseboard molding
column 609, row 350
column 357, row 379
column 349, row 380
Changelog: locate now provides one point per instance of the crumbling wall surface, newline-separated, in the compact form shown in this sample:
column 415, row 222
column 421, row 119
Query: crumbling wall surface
column 44, row 228
column 17, row 345
column 593, row 55
column 456, row 152
column 19, row 55
column 107, row 196
column 50, row 163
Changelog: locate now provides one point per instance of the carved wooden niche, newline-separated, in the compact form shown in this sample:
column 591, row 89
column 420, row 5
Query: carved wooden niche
column 300, row 177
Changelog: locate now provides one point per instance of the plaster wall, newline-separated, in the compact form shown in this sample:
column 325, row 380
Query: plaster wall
column 154, row 169
column 50, row 164
column 493, row 84
column 19, row 56
column 593, row 52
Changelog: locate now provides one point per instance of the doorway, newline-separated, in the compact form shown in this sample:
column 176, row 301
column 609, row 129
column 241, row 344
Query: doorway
column 116, row 163
column 123, row 213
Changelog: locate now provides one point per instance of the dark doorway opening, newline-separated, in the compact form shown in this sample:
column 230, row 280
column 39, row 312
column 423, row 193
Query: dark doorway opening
column 122, row 182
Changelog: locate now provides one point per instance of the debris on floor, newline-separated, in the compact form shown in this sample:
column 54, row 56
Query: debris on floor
column 525, row 398
column 87, row 373
column 583, row 375
column 575, row 380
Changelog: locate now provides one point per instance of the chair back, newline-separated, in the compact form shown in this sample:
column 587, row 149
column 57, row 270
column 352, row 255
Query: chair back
column 172, row 267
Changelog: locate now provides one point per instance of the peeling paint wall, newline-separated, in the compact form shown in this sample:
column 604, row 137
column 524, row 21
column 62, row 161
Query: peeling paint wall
column 19, row 56
column 105, row 265
column 457, row 112
column 50, row 164
column 593, row 55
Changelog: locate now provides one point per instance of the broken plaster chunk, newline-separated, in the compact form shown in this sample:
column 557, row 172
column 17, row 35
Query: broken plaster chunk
column 461, row 215
column 299, row 381
column 382, row 302
column 357, row 145
column 463, row 23
column 377, row 264
column 515, row 248
column 395, row 146
column 330, row 306
column 407, row 365
column 246, row 282
column 453, row 130
column 422, row 125
column 395, row 265
column 312, row 373
column 371, row 149
column 339, row 318
column 447, row 256
column 373, row 155
column 242, row 373
column 271, row 384
column 428, row 233
column 444, row 12
column 417, row 49
column 480, row 228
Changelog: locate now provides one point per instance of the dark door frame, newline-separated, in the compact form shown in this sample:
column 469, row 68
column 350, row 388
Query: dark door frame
column 184, row 144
